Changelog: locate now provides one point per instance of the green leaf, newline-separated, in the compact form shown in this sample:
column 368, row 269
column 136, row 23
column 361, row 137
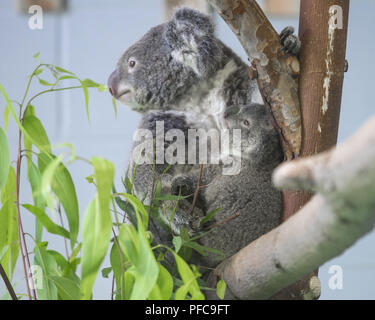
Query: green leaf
column 106, row 272
column 9, row 224
column 35, row 179
column 209, row 216
column 4, row 159
column 45, row 83
column 36, row 55
column 96, row 235
column 63, row 70
column 177, row 242
column 188, row 278
column 202, row 249
column 90, row 83
column 60, row 259
column 35, row 129
column 104, row 175
column 164, row 286
column 118, row 271
column 128, row 283
column 90, row 178
column 14, row 115
column 138, row 207
column 86, row 93
column 136, row 247
column 182, row 291
column 67, row 289
column 103, row 88
column 46, row 289
column 38, row 71
column 220, row 289
column 114, row 106
column 6, row 118
column 50, row 226
column 62, row 185
column 47, row 178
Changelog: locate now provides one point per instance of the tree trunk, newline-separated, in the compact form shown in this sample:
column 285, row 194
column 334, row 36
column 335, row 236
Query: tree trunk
column 322, row 62
column 323, row 32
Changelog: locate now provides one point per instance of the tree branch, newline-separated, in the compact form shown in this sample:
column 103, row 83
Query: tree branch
column 342, row 212
column 7, row 283
column 276, row 70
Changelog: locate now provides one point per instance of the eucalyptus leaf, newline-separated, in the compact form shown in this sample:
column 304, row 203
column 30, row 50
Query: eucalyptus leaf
column 35, row 179
column 4, row 159
column 6, row 118
column 164, row 286
column 50, row 226
column 106, row 272
column 46, row 289
column 35, row 129
column 9, row 224
column 62, row 185
column 96, row 235
column 136, row 247
column 221, row 288
column 188, row 278
column 67, row 289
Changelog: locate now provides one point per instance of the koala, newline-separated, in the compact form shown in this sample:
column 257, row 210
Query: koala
column 181, row 65
column 248, row 199
column 181, row 72
column 143, row 171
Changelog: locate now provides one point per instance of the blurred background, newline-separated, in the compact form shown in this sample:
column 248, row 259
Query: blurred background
column 88, row 36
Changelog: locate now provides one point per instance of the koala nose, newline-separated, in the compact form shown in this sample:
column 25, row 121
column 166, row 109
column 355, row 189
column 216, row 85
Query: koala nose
column 113, row 83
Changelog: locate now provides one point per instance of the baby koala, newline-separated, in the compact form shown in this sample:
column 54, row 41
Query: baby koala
column 154, row 160
column 249, row 204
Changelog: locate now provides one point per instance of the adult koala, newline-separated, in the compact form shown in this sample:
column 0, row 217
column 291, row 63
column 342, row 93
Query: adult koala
column 180, row 65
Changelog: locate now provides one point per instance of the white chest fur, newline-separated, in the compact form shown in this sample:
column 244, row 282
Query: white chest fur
column 205, row 103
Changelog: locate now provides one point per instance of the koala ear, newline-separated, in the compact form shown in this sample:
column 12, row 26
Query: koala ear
column 190, row 35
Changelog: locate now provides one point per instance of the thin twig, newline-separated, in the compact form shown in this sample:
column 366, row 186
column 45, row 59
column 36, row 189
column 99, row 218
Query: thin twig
column 62, row 224
column 21, row 235
column 222, row 221
column 197, row 189
column 113, row 285
column 7, row 283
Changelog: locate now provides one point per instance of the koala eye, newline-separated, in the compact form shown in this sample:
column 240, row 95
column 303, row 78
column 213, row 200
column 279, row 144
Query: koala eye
column 132, row 63
column 246, row 123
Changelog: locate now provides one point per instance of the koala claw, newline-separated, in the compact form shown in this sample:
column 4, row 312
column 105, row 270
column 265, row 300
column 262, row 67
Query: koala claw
column 290, row 42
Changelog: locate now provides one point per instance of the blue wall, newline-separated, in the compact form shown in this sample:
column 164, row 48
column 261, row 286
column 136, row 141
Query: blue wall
column 89, row 38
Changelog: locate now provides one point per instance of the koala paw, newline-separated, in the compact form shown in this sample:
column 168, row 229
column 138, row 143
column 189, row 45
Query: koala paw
column 290, row 42
column 187, row 218
column 182, row 185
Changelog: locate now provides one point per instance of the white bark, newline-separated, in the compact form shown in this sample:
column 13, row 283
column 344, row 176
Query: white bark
column 342, row 211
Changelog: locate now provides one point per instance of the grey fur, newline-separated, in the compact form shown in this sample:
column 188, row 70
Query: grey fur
column 182, row 66
column 178, row 66
column 250, row 193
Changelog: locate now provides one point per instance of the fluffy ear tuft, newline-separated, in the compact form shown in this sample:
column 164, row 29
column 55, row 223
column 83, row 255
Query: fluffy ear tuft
column 187, row 17
column 190, row 35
